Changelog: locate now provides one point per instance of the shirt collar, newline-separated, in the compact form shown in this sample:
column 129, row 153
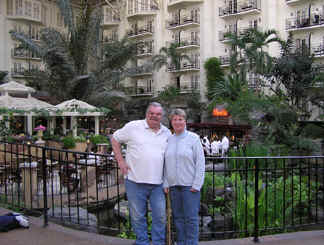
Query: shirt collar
column 182, row 135
column 148, row 127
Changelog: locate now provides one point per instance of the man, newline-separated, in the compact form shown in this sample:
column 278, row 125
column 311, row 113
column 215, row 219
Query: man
column 142, row 168
column 225, row 145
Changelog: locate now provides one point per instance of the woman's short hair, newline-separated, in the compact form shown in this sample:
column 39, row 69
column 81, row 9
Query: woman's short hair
column 178, row 112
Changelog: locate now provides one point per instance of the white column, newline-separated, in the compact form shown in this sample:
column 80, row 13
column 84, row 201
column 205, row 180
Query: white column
column 53, row 124
column 96, row 124
column 74, row 126
column 30, row 124
column 64, row 125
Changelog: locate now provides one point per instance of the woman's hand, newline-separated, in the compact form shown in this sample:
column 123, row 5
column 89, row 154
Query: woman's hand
column 193, row 190
column 166, row 190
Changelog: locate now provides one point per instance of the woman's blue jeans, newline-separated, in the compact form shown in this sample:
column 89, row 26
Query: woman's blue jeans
column 185, row 207
column 138, row 194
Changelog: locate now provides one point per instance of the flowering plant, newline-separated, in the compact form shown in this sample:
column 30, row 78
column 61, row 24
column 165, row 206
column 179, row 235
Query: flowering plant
column 40, row 128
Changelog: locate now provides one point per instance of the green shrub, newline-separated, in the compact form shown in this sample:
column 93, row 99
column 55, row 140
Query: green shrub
column 99, row 139
column 68, row 142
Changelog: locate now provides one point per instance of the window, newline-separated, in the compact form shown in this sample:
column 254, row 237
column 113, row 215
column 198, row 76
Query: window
column 9, row 7
column 36, row 11
column 44, row 15
column 59, row 19
column 19, row 7
column 28, row 9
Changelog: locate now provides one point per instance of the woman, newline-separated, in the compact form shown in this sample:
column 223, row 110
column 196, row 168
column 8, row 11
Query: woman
column 184, row 177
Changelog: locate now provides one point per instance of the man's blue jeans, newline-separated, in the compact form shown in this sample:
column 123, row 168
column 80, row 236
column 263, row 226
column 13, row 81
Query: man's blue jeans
column 138, row 194
column 185, row 207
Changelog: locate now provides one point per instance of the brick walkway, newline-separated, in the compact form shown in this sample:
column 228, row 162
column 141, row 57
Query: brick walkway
column 58, row 235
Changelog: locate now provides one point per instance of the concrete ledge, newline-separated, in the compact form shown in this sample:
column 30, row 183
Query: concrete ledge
column 59, row 235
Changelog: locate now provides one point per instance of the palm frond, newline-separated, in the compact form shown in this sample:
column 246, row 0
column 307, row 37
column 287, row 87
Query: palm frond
column 27, row 42
column 66, row 11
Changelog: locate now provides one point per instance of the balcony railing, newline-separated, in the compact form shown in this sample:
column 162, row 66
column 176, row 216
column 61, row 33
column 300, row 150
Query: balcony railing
column 188, row 87
column 225, row 35
column 139, row 91
column 30, row 13
column 140, row 71
column 297, row 23
column 240, row 7
column 182, row 3
column 110, row 39
column 22, row 72
column 144, row 9
column 140, row 32
column 185, row 66
column 186, row 43
column 110, row 20
column 184, row 21
column 24, row 54
column 225, row 60
column 241, row 196
column 318, row 49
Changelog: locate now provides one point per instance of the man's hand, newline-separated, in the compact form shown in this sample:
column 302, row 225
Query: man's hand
column 166, row 190
column 123, row 167
column 193, row 190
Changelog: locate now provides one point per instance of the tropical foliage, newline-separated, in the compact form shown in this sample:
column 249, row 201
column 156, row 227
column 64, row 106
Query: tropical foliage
column 77, row 63
column 169, row 56
column 289, row 79
column 214, row 75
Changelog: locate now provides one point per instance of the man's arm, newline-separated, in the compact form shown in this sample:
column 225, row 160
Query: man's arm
column 118, row 155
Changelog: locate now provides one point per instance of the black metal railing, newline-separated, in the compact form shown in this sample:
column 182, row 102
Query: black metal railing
column 241, row 196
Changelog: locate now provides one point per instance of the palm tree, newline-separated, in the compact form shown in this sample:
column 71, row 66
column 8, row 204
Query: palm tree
column 67, row 55
column 249, row 50
column 169, row 56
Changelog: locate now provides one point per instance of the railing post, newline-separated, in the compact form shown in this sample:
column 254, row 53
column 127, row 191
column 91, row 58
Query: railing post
column 256, row 202
column 44, row 186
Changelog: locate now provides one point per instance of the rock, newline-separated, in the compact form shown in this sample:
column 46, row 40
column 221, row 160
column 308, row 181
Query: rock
column 73, row 215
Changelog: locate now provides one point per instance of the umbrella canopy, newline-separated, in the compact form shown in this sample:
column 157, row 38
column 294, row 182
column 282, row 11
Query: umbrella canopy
column 25, row 104
column 15, row 87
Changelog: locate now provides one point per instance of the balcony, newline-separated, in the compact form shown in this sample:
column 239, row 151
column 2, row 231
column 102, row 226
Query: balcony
column 110, row 20
column 142, row 11
column 182, row 3
column 224, row 36
column 109, row 39
column 18, row 53
column 188, row 87
column 318, row 50
column 141, row 71
column 240, row 8
column 137, row 91
column 141, row 32
column 183, row 23
column 186, row 43
column 144, row 50
column 22, row 72
column 184, row 67
column 294, row 2
column 225, row 60
column 305, row 23
column 29, row 11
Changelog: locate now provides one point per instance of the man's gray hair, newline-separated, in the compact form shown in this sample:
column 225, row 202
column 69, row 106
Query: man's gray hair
column 178, row 112
column 154, row 104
